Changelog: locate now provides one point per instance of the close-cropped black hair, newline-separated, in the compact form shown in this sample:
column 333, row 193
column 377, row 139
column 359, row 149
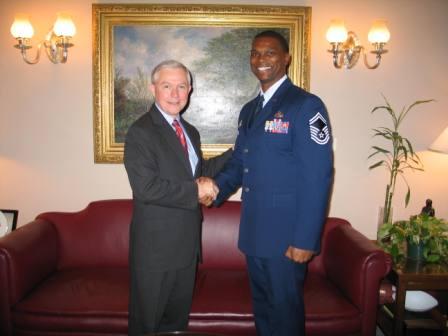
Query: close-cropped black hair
column 279, row 37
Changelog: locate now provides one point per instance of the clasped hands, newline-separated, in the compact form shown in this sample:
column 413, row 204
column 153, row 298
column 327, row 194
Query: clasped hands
column 207, row 190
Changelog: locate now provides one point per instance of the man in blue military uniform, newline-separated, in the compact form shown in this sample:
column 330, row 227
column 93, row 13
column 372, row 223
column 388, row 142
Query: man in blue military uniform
column 284, row 163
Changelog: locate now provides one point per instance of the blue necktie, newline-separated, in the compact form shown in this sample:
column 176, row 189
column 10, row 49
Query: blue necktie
column 256, row 111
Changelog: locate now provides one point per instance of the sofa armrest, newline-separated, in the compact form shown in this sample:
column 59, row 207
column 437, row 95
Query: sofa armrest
column 27, row 256
column 356, row 266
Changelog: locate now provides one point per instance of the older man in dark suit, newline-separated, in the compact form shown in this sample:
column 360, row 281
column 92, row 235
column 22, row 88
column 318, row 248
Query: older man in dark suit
column 163, row 160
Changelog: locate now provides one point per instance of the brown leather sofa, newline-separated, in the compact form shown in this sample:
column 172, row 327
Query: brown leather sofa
column 66, row 274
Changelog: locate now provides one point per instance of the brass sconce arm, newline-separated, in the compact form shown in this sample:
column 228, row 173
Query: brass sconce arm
column 346, row 54
column 378, row 51
column 23, row 45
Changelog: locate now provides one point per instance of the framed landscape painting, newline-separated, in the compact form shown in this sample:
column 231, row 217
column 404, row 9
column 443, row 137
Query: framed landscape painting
column 213, row 41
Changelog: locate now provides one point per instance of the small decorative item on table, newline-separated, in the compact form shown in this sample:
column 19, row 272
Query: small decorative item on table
column 8, row 221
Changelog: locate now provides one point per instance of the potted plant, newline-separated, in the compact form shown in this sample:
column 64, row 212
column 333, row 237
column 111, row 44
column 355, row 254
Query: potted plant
column 426, row 233
column 398, row 157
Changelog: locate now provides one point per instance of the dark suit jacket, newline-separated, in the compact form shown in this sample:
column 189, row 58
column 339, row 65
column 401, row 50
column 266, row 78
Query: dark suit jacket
column 284, row 163
column 166, row 221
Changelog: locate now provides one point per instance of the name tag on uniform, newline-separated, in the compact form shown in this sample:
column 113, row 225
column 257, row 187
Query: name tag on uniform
column 276, row 126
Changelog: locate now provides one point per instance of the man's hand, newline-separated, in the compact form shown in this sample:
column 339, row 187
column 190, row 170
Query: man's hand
column 298, row 255
column 207, row 190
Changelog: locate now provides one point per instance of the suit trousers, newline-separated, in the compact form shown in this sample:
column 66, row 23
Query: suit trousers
column 160, row 301
column 277, row 295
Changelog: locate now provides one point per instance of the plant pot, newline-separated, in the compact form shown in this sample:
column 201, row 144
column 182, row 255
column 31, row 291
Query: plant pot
column 415, row 251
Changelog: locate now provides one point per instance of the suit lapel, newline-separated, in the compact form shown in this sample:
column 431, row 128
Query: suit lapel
column 167, row 132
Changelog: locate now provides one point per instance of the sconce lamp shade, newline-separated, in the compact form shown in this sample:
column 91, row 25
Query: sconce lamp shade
column 441, row 143
column 64, row 25
column 21, row 27
column 379, row 33
column 337, row 33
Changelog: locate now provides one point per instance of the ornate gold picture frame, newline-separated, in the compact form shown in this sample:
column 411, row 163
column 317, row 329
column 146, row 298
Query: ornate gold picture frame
column 213, row 41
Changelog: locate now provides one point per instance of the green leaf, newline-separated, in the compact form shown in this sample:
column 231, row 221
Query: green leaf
column 379, row 108
column 382, row 150
column 432, row 258
column 379, row 163
column 407, row 198
column 395, row 251
column 373, row 154
column 418, row 102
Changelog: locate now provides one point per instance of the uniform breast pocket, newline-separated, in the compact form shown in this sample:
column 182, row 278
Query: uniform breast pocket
column 279, row 141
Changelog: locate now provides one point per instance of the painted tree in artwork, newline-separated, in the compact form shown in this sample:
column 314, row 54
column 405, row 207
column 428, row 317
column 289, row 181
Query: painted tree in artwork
column 131, row 99
column 226, row 63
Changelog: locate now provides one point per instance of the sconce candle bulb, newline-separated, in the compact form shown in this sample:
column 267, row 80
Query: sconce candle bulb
column 379, row 32
column 56, row 42
column 64, row 25
column 337, row 33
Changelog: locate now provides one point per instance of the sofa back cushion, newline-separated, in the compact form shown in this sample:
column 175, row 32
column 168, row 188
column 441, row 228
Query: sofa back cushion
column 95, row 236
column 220, row 237
column 99, row 236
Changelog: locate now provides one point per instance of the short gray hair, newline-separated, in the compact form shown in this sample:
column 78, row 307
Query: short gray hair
column 169, row 64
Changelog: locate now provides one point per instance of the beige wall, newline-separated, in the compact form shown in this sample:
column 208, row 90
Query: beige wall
column 46, row 116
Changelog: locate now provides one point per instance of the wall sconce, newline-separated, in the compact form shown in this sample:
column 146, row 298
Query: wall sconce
column 346, row 47
column 440, row 144
column 56, row 42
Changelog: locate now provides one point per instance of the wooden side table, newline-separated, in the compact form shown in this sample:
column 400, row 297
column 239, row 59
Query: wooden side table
column 414, row 276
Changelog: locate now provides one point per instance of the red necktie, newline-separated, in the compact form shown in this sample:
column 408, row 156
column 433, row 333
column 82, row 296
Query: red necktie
column 180, row 134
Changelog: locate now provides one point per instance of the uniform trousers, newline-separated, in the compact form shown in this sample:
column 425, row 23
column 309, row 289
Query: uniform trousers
column 277, row 295
column 160, row 301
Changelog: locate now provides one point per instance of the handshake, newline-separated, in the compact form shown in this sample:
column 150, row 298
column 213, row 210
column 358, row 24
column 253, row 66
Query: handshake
column 207, row 190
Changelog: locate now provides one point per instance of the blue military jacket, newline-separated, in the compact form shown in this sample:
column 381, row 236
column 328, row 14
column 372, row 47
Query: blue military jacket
column 284, row 164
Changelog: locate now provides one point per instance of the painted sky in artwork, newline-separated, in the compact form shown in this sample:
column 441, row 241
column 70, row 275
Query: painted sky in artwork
column 146, row 46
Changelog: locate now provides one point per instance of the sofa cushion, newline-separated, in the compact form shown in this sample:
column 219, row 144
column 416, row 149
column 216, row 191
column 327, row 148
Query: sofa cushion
column 92, row 299
column 222, row 303
column 327, row 311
